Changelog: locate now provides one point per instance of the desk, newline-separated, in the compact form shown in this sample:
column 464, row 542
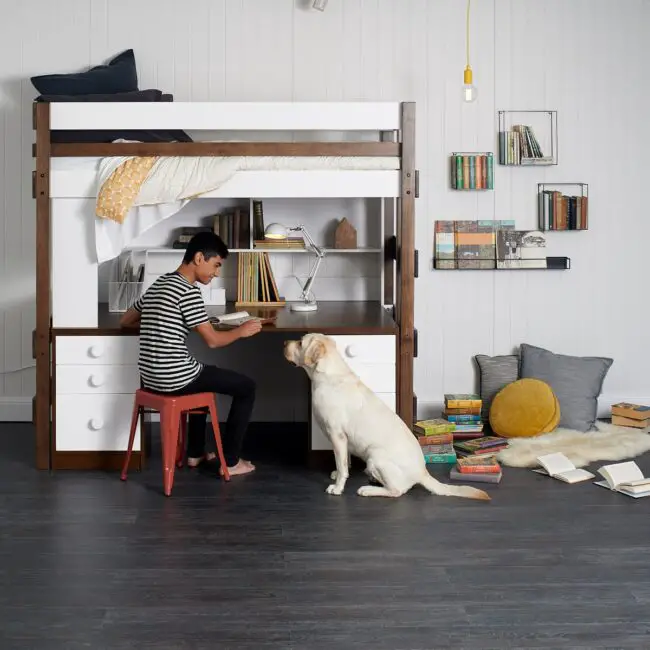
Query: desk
column 330, row 318
column 95, row 375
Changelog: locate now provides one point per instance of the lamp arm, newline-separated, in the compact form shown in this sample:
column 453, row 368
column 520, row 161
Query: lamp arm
column 310, row 280
column 310, row 241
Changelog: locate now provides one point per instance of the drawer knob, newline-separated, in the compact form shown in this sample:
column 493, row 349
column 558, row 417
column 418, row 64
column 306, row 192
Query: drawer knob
column 96, row 351
column 96, row 424
column 96, row 380
column 352, row 351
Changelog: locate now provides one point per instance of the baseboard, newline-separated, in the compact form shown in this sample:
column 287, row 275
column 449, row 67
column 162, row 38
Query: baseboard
column 95, row 460
column 15, row 409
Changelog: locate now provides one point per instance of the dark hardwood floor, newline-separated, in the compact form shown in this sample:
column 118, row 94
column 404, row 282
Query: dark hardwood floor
column 271, row 561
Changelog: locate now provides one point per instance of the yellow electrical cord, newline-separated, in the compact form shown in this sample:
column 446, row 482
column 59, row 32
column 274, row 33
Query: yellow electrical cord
column 467, row 75
column 467, row 31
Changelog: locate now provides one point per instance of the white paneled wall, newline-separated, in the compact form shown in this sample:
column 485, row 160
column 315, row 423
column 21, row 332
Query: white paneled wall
column 584, row 58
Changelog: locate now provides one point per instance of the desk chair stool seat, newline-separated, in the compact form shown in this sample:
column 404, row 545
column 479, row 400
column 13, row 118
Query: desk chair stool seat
column 173, row 411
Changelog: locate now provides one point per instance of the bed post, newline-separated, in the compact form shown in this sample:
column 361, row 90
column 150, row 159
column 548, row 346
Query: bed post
column 406, row 266
column 41, row 192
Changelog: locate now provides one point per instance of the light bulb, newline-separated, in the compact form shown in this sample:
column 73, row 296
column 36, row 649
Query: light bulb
column 469, row 90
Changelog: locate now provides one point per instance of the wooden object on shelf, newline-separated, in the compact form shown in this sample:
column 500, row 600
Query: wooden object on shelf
column 345, row 235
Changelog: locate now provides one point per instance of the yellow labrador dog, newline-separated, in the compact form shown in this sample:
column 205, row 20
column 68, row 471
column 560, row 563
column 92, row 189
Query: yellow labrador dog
column 358, row 422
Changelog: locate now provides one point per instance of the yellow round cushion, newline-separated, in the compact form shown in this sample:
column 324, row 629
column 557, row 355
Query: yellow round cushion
column 524, row 408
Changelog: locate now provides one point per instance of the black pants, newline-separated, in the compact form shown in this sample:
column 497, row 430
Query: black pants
column 226, row 382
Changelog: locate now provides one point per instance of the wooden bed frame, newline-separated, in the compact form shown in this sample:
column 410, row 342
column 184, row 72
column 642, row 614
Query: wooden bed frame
column 400, row 253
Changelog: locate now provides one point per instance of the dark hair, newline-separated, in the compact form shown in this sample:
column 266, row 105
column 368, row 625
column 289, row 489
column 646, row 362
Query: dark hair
column 207, row 243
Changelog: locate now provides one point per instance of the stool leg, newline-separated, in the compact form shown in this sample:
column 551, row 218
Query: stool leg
column 180, row 453
column 169, row 428
column 217, row 439
column 134, row 426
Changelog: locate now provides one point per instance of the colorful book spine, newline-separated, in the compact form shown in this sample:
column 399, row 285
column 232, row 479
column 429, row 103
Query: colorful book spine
column 440, row 458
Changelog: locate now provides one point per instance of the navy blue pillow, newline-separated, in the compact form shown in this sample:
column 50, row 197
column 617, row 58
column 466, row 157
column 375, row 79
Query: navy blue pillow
column 118, row 76
column 150, row 95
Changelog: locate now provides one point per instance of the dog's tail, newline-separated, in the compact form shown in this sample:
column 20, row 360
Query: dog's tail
column 442, row 489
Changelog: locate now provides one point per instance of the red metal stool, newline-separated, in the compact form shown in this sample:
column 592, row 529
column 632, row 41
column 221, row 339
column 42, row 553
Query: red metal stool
column 173, row 411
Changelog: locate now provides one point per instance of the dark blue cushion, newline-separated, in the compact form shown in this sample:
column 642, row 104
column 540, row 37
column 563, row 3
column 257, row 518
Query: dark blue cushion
column 149, row 95
column 118, row 76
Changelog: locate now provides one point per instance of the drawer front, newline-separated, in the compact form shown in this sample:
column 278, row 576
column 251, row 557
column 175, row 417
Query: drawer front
column 96, row 379
column 361, row 349
column 97, row 350
column 94, row 423
column 319, row 441
column 378, row 377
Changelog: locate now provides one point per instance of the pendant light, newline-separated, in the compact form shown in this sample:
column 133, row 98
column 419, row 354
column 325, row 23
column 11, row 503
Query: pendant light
column 469, row 90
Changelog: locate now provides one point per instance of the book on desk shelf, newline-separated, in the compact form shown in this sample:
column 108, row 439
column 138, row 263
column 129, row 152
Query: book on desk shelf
column 558, row 466
column 625, row 478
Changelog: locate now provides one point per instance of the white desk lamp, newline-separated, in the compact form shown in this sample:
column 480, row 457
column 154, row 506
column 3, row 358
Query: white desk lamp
column 279, row 231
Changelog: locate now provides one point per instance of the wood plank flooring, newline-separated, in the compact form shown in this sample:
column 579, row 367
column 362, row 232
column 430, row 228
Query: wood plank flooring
column 271, row 561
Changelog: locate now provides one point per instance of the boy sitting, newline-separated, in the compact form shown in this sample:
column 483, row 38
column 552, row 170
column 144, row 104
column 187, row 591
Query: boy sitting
column 166, row 313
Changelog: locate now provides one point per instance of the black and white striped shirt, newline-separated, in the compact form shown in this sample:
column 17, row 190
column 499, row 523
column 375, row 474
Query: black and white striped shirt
column 169, row 309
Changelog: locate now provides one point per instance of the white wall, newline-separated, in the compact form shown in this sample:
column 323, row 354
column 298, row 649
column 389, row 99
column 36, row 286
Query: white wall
column 584, row 58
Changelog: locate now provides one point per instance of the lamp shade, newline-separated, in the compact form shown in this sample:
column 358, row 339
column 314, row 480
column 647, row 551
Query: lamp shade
column 276, row 231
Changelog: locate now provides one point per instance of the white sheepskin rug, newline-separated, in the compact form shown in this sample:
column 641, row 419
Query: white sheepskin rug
column 609, row 442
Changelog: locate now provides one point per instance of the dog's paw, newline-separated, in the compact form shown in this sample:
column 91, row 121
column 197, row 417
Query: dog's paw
column 365, row 490
column 334, row 475
column 334, row 489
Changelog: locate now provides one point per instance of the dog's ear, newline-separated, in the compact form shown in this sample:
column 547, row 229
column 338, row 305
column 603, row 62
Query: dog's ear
column 314, row 353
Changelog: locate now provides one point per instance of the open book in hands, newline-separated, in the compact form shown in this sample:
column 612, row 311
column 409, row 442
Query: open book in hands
column 560, row 467
column 238, row 318
column 625, row 478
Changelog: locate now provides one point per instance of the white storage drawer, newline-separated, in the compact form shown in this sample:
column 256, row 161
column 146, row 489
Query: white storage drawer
column 94, row 423
column 378, row 377
column 320, row 441
column 96, row 379
column 97, row 350
column 356, row 349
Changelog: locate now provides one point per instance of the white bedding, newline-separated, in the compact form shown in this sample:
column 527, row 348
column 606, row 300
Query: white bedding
column 174, row 180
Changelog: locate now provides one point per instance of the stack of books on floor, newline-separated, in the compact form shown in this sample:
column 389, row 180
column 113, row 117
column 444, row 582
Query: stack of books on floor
column 464, row 411
column 436, row 440
column 477, row 468
column 484, row 447
column 625, row 414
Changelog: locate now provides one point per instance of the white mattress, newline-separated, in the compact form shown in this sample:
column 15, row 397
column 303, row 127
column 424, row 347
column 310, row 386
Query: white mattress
column 268, row 176
column 77, row 177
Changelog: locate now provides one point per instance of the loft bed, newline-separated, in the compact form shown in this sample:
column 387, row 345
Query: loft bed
column 71, row 241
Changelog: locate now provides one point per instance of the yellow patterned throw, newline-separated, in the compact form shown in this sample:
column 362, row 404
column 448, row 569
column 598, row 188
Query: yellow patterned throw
column 120, row 190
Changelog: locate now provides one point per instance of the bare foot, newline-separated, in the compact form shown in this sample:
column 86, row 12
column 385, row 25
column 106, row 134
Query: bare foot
column 242, row 467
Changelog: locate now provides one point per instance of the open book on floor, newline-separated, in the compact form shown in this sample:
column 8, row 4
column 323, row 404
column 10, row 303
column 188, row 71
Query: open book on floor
column 625, row 478
column 558, row 466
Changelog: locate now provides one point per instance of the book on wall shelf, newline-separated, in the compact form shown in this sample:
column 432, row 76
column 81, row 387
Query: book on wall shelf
column 560, row 211
column 491, row 245
column 472, row 170
column 527, row 138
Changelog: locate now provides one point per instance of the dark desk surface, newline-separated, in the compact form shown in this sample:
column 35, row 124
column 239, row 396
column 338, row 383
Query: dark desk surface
column 330, row 318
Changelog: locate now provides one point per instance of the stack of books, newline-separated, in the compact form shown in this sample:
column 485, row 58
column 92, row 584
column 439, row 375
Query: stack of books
column 464, row 411
column 477, row 468
column 485, row 447
column 436, row 440
column 625, row 414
